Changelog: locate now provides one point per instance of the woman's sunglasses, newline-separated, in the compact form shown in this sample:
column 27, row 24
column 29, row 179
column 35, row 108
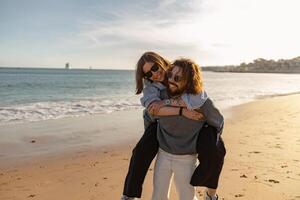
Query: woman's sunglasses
column 176, row 77
column 149, row 74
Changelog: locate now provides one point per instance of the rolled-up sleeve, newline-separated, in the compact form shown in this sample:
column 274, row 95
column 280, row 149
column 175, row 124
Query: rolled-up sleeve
column 194, row 101
column 150, row 94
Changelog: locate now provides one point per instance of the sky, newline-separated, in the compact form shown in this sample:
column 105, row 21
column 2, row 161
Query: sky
column 114, row 34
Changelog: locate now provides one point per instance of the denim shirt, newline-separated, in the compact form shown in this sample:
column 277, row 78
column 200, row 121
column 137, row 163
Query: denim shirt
column 152, row 92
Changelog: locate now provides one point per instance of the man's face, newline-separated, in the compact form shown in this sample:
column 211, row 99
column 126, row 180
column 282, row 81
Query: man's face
column 176, row 82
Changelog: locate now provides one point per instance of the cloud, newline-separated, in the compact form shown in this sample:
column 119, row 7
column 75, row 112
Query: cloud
column 165, row 23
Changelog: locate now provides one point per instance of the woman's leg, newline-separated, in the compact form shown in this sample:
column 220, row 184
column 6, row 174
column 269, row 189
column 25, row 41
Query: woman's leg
column 162, row 177
column 213, row 180
column 211, row 155
column 184, row 166
column 142, row 156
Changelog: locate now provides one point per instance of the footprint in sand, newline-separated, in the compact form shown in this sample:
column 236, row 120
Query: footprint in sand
column 273, row 181
column 256, row 152
column 94, row 164
column 243, row 176
column 239, row 195
column 5, row 183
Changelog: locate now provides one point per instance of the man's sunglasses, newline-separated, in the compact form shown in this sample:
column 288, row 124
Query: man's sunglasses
column 176, row 77
column 149, row 74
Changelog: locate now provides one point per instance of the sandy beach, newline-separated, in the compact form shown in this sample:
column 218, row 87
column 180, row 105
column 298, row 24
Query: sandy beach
column 262, row 162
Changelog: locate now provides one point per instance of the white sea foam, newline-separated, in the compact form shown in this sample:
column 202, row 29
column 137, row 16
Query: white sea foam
column 59, row 109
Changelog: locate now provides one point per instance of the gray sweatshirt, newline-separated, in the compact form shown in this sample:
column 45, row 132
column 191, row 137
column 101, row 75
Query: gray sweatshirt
column 177, row 134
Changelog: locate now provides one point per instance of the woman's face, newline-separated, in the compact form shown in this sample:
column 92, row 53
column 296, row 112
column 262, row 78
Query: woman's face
column 153, row 72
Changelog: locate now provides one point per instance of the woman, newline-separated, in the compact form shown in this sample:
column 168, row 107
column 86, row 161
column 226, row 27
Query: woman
column 151, row 69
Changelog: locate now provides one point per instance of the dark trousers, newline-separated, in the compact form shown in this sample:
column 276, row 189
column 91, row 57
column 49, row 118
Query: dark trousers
column 206, row 174
column 211, row 152
column 142, row 156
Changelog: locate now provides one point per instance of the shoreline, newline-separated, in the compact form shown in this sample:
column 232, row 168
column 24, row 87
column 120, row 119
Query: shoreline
column 262, row 161
column 67, row 135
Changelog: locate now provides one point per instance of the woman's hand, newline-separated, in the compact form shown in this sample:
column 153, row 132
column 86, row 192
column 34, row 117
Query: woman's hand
column 191, row 114
column 155, row 106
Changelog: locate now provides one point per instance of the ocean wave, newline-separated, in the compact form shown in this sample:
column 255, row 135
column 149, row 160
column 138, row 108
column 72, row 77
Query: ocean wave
column 60, row 109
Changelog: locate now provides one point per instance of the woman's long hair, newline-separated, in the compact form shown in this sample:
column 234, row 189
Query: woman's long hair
column 148, row 57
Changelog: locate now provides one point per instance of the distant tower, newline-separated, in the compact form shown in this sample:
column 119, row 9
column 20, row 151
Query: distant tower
column 67, row 66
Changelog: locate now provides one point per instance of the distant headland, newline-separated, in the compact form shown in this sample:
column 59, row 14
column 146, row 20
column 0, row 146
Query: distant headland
column 261, row 65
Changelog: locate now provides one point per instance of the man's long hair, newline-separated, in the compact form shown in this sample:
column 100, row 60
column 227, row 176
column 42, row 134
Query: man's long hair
column 192, row 75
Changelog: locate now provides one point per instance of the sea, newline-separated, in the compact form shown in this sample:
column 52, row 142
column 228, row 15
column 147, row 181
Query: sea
column 32, row 94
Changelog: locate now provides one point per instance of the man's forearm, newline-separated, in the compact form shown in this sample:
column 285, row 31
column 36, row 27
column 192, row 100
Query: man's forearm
column 168, row 111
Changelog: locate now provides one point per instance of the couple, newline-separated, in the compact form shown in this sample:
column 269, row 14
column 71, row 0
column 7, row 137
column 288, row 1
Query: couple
column 181, row 125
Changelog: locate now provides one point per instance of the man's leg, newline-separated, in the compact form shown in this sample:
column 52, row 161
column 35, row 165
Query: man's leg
column 162, row 177
column 183, row 167
column 142, row 156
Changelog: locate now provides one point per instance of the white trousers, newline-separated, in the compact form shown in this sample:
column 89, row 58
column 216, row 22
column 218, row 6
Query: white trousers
column 179, row 167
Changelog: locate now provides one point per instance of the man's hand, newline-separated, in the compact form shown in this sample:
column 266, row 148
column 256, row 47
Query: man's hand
column 177, row 102
column 191, row 114
column 155, row 106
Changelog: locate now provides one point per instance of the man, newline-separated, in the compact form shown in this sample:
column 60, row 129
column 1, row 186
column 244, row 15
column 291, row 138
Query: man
column 178, row 135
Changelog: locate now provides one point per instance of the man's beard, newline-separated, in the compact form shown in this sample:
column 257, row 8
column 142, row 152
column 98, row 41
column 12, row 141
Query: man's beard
column 177, row 92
